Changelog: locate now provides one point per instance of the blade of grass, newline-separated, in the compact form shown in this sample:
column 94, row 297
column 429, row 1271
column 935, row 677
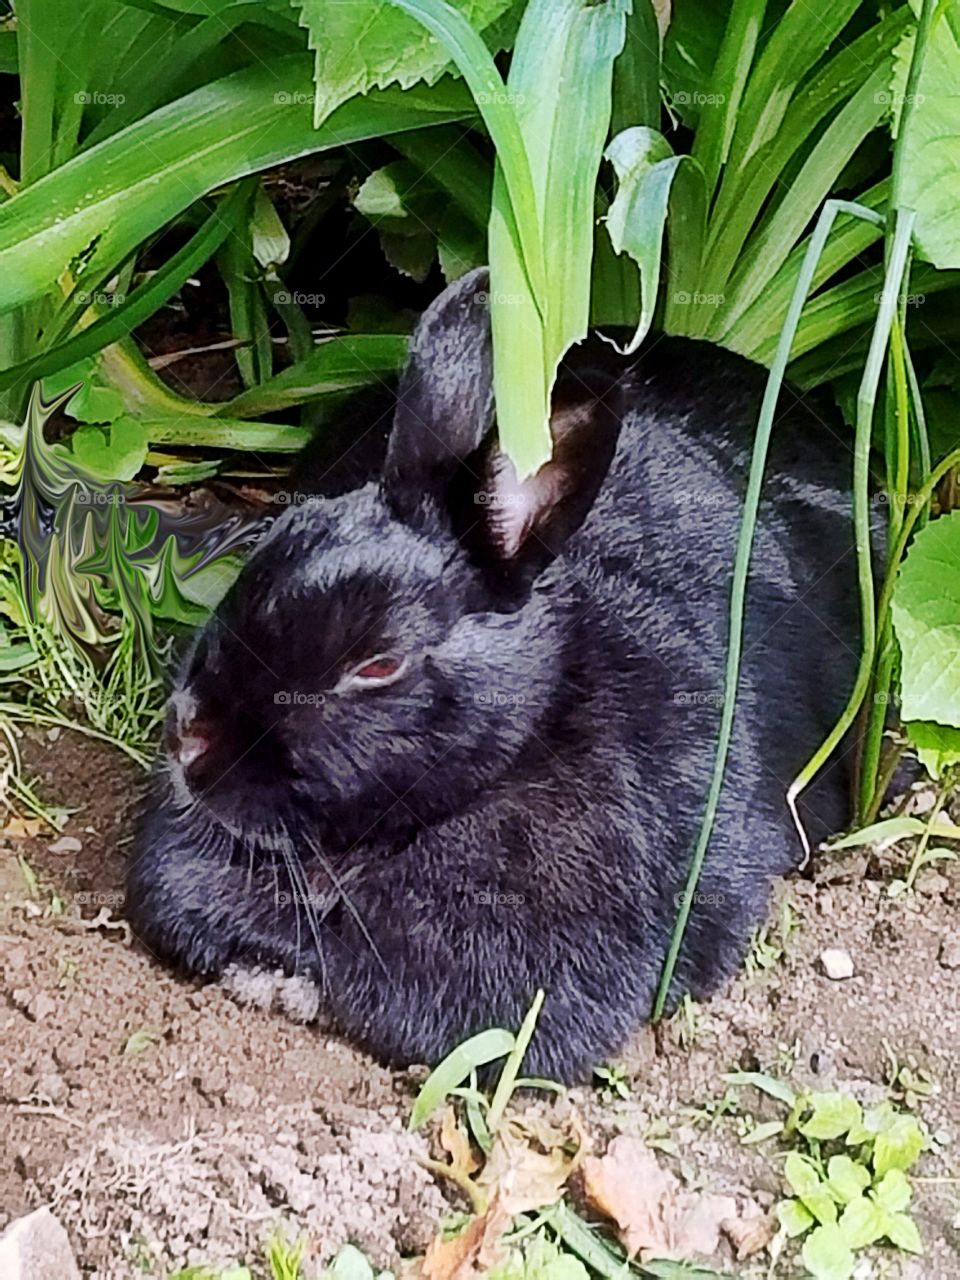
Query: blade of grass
column 511, row 1069
column 456, row 1067
column 866, row 400
column 741, row 570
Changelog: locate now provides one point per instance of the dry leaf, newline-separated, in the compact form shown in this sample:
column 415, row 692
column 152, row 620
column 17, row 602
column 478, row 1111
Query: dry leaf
column 457, row 1145
column 656, row 1217
column 23, row 828
column 452, row 1257
column 524, row 1178
column 749, row 1234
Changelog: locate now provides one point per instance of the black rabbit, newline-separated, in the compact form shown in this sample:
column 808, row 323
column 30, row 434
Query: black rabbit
column 448, row 738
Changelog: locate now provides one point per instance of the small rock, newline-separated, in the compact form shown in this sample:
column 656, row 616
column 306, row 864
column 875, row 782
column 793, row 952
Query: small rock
column 70, row 1055
column 242, row 1096
column 837, row 963
column 66, row 844
column 37, row 1248
column 41, row 1006
column 950, row 951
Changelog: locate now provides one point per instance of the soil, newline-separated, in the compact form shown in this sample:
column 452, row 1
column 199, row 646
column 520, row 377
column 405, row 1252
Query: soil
column 168, row 1124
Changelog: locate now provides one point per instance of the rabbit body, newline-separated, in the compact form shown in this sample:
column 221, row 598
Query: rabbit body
column 514, row 806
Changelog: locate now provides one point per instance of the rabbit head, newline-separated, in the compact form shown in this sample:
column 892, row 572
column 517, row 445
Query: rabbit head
column 385, row 654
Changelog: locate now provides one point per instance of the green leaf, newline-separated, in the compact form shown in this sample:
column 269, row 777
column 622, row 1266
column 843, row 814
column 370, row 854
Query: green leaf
column 561, row 43
column 112, row 197
column 847, row 1178
column 931, row 183
column 937, row 747
column 888, row 829
column 926, row 619
column 902, row 1231
column 898, row 1145
column 112, row 453
column 349, row 1264
column 778, row 1089
column 804, row 1180
column 646, row 170
column 862, row 1222
column 826, row 1254
column 269, row 239
column 94, row 401
column 795, row 1217
column 762, row 1132
column 893, row 1191
column 370, row 44
column 833, row 1115
column 336, row 365
column 456, row 1067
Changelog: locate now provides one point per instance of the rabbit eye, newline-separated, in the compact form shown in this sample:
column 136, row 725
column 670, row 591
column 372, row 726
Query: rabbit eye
column 374, row 672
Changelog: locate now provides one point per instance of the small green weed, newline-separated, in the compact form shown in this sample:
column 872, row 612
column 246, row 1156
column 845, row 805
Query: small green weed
column 847, row 1169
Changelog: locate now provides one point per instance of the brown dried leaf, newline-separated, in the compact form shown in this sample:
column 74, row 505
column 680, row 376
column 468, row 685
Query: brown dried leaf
column 749, row 1235
column 473, row 1252
column 656, row 1217
column 23, row 828
column 523, row 1178
column 457, row 1145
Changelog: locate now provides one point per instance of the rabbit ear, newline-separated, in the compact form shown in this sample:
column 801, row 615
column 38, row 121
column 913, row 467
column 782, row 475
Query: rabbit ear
column 445, row 400
column 517, row 527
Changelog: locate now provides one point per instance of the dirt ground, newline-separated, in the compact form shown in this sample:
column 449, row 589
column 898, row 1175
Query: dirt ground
column 168, row 1125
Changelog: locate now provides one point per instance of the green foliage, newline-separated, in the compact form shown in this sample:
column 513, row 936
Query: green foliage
column 847, row 1171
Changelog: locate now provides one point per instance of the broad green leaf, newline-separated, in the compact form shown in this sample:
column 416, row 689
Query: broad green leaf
column 862, row 1222
column 833, row 1115
column 804, row 1181
column 931, row 137
column 113, row 453
column 847, row 1178
column 349, row 1264
column 456, row 1067
column 937, row 746
column 826, row 1254
column 94, row 401
column 926, row 619
column 893, row 1191
column 646, row 170
column 898, row 1146
column 370, row 44
column 110, row 198
column 770, row 1085
column 795, row 1217
column 561, row 43
column 228, row 434
column 902, row 1231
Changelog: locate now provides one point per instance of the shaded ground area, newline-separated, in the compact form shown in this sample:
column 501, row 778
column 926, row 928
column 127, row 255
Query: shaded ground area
column 168, row 1124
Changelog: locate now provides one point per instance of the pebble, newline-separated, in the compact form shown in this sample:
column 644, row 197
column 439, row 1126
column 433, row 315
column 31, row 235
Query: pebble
column 66, row 844
column 950, row 951
column 37, row 1248
column 837, row 963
